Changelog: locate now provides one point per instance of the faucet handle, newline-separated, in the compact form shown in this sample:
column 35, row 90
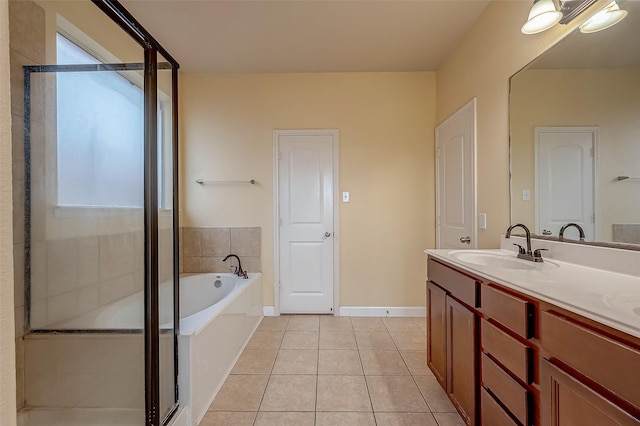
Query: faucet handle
column 536, row 252
column 521, row 250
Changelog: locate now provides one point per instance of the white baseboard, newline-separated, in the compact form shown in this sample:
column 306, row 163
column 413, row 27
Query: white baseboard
column 372, row 311
column 269, row 311
column 368, row 311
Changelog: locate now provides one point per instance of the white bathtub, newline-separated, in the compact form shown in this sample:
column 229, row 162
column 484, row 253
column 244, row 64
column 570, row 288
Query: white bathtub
column 215, row 325
column 212, row 336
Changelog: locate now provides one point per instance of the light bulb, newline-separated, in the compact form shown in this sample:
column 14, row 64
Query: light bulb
column 543, row 15
column 607, row 17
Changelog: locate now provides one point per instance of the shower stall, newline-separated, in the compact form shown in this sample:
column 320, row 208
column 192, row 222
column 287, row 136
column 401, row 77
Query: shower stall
column 100, row 220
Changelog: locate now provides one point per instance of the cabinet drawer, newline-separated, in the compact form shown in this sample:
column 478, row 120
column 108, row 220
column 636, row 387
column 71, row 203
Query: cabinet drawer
column 609, row 363
column 492, row 413
column 459, row 285
column 507, row 390
column 512, row 312
column 515, row 356
column 566, row 401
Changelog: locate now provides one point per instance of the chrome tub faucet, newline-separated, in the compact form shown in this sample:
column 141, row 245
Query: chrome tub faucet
column 239, row 271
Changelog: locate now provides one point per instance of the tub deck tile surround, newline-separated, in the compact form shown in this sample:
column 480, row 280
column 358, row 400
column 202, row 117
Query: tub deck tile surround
column 334, row 371
column 203, row 249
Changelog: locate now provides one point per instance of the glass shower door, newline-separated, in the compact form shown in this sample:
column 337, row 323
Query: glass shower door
column 100, row 224
column 167, row 225
column 85, row 242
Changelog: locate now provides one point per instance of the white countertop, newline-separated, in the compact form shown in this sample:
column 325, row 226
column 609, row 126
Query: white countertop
column 610, row 298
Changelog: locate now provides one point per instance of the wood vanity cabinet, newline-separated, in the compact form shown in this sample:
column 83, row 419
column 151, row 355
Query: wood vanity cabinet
column 508, row 357
column 462, row 359
column 452, row 336
column 505, row 358
column 568, row 401
column 437, row 332
column 589, row 374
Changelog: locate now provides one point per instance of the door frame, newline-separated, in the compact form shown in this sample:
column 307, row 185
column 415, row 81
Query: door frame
column 595, row 131
column 334, row 133
column 472, row 104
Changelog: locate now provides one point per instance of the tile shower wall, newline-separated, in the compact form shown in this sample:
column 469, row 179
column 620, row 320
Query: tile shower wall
column 73, row 276
column 202, row 249
column 27, row 47
column 628, row 233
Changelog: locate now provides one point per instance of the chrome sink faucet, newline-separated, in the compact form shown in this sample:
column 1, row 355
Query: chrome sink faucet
column 536, row 255
column 575, row 225
column 239, row 271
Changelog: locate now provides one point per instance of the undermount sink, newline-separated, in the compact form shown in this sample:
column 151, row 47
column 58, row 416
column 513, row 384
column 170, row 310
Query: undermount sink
column 499, row 260
column 629, row 302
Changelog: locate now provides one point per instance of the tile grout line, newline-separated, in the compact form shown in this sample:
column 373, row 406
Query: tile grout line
column 366, row 383
column 269, row 375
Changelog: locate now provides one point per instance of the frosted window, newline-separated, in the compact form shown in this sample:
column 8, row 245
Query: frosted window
column 100, row 133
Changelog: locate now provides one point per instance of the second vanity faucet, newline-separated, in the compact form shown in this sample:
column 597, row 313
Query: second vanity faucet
column 575, row 225
column 533, row 256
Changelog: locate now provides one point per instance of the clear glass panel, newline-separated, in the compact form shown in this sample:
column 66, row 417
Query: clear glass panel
column 87, row 259
column 84, row 239
column 166, row 237
column 87, row 251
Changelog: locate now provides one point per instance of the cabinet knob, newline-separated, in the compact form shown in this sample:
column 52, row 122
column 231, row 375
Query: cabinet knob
column 465, row 240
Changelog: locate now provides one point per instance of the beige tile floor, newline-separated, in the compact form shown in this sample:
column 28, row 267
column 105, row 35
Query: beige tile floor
column 315, row 370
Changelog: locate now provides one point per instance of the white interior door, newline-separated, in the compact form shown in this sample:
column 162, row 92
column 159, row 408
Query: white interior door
column 306, row 220
column 565, row 172
column 455, row 180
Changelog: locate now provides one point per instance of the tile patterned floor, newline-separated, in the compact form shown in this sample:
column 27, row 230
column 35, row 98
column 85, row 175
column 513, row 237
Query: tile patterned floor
column 315, row 370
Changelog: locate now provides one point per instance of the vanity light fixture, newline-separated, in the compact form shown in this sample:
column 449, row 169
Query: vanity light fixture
column 543, row 15
column 607, row 17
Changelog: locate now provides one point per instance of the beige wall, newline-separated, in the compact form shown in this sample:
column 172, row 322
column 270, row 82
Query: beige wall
column 7, row 343
column 26, row 47
column 605, row 98
column 480, row 66
column 386, row 123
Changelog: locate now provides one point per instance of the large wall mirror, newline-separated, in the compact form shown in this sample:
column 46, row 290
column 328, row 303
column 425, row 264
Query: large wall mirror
column 575, row 136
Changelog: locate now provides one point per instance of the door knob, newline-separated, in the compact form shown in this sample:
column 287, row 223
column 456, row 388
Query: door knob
column 465, row 240
column 327, row 234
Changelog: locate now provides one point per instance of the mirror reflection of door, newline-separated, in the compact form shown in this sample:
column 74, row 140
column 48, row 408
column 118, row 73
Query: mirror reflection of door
column 564, row 178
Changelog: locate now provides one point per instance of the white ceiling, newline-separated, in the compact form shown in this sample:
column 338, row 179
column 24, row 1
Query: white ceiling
column 307, row 35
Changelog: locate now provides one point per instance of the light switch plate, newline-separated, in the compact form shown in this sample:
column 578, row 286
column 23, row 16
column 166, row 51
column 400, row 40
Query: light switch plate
column 345, row 197
column 482, row 220
column 526, row 195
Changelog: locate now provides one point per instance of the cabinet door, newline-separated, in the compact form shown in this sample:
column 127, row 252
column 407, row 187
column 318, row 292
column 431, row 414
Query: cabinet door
column 462, row 359
column 566, row 401
column 436, row 332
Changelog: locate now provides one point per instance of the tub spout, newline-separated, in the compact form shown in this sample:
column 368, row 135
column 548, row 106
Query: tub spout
column 239, row 271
